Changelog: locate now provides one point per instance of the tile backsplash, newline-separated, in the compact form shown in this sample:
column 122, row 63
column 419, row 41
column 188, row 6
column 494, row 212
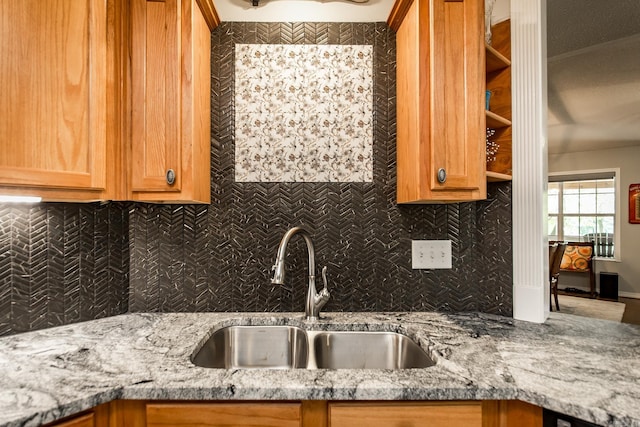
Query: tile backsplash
column 219, row 257
column 64, row 263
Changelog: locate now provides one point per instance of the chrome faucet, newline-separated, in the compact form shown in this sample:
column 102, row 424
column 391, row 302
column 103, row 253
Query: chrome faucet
column 315, row 301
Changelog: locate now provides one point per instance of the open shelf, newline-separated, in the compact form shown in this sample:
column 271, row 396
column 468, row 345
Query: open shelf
column 498, row 177
column 495, row 60
column 494, row 121
column 498, row 118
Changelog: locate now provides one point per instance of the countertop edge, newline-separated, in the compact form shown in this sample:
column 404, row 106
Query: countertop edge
column 144, row 356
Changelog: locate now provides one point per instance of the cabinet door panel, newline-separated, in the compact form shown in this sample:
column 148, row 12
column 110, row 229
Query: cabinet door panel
column 156, row 96
column 458, row 89
column 53, row 108
column 440, row 102
column 224, row 414
column 81, row 421
column 99, row 416
column 463, row 414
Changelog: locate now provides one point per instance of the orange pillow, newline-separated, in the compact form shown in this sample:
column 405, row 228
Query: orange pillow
column 576, row 258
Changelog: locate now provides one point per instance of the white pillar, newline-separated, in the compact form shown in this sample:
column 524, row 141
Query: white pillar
column 529, row 92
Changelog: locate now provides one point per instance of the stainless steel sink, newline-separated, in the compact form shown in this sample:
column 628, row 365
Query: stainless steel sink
column 368, row 350
column 275, row 347
column 288, row 347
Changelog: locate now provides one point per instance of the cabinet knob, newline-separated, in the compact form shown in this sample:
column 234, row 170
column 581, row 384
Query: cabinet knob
column 442, row 175
column 171, row 176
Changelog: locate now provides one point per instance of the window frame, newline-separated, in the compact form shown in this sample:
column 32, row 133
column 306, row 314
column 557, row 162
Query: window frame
column 588, row 174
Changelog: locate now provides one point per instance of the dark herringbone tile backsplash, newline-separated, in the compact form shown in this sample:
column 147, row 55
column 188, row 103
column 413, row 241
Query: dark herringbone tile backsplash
column 63, row 263
column 218, row 257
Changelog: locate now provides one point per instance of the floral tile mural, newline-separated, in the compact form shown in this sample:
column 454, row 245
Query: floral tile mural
column 303, row 113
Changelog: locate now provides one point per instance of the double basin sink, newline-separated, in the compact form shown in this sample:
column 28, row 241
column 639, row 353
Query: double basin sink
column 289, row 347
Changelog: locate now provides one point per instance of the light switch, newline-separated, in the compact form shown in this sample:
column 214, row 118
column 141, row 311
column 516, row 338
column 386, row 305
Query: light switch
column 430, row 254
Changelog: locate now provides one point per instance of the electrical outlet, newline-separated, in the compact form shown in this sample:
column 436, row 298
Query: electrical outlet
column 430, row 254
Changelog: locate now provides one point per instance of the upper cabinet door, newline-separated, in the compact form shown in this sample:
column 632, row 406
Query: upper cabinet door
column 458, row 87
column 171, row 100
column 53, row 108
column 156, row 96
column 440, row 98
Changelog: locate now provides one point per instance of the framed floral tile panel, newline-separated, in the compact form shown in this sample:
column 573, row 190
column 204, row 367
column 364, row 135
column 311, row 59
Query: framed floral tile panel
column 303, row 113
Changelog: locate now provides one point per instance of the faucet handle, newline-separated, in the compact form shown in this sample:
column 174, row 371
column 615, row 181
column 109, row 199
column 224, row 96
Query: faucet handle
column 324, row 278
column 321, row 298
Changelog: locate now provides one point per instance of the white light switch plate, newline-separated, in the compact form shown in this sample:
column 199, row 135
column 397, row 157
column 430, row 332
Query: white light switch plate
column 430, row 254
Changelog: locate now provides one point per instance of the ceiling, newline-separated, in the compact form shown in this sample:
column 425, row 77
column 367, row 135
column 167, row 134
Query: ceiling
column 593, row 51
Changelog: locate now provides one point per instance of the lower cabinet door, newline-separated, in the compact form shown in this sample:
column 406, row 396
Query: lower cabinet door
column 87, row 420
column 98, row 416
column 224, row 415
column 449, row 414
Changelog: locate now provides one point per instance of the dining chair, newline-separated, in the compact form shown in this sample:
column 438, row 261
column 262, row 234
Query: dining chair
column 578, row 258
column 555, row 259
column 553, row 247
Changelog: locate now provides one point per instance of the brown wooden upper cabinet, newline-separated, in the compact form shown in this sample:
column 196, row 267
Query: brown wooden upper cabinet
column 106, row 99
column 54, row 107
column 170, row 112
column 440, row 100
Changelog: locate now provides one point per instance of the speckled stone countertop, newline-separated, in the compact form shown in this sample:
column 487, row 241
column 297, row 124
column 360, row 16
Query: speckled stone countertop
column 582, row 367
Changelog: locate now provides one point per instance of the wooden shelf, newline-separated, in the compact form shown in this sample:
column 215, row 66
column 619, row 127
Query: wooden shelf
column 498, row 75
column 498, row 177
column 494, row 121
column 495, row 60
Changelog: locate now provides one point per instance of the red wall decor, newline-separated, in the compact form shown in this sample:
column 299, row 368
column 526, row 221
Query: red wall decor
column 634, row 203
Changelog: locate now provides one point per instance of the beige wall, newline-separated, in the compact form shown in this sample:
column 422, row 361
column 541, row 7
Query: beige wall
column 628, row 160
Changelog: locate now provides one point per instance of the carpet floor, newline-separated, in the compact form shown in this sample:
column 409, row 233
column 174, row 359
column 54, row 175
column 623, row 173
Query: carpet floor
column 607, row 310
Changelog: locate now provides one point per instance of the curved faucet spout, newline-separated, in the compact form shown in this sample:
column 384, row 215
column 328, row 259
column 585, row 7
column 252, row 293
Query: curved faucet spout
column 278, row 268
column 315, row 301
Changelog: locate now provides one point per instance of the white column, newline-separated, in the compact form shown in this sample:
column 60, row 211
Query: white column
column 529, row 92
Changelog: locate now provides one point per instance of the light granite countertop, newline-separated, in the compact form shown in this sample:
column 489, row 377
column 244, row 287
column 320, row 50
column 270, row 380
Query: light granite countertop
column 581, row 367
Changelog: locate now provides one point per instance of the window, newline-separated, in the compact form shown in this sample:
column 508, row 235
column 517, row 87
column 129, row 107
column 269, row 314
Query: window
column 582, row 208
